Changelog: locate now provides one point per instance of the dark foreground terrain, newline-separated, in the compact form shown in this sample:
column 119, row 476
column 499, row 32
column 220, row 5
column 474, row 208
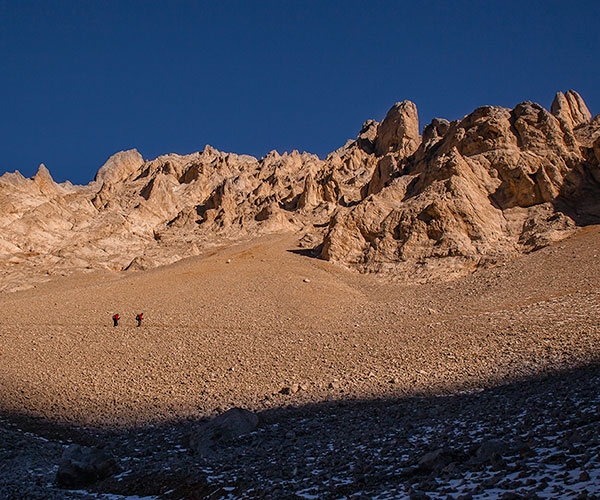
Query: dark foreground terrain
column 536, row 438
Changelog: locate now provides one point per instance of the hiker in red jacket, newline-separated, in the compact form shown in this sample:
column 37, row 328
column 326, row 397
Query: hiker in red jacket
column 116, row 319
column 139, row 319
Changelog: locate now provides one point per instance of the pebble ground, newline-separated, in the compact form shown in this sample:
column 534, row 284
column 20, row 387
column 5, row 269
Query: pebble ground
column 259, row 326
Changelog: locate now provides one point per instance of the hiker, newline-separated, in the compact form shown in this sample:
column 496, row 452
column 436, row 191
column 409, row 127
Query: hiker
column 139, row 319
column 116, row 319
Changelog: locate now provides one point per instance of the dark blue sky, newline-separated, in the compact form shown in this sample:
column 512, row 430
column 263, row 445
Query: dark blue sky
column 81, row 80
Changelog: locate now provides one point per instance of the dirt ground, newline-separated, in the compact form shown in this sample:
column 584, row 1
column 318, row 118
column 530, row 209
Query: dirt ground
column 259, row 325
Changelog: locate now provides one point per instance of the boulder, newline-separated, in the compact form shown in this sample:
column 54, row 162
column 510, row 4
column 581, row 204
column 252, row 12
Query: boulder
column 436, row 460
column 81, row 465
column 492, row 450
column 222, row 430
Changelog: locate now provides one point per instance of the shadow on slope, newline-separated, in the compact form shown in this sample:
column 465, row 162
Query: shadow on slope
column 584, row 211
column 508, row 438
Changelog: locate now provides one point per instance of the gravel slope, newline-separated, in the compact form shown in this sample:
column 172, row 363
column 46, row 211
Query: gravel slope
column 259, row 326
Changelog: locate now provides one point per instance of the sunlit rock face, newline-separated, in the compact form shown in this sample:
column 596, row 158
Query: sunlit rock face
column 463, row 194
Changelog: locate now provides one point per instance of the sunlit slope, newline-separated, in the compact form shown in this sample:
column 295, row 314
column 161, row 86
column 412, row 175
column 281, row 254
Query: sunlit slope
column 259, row 325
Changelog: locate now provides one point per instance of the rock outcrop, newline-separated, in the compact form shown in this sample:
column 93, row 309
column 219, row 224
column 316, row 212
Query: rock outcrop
column 571, row 109
column 399, row 131
column 119, row 167
column 488, row 187
column 471, row 192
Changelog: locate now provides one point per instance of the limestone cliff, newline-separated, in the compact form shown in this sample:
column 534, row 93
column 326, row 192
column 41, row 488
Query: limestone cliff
column 463, row 194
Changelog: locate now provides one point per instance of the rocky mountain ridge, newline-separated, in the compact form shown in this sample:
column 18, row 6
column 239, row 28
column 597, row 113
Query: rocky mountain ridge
column 464, row 194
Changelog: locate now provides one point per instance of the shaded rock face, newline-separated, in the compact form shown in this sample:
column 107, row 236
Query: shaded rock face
column 471, row 192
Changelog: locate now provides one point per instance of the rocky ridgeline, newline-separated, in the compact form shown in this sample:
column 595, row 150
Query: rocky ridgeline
column 467, row 193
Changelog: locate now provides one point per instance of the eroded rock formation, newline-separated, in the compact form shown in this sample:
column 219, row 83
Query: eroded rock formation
column 488, row 187
column 466, row 193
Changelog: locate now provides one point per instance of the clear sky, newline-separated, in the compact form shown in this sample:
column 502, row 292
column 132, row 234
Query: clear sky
column 81, row 80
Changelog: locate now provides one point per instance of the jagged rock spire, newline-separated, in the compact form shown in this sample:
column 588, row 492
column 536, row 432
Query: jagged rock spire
column 571, row 108
column 399, row 131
